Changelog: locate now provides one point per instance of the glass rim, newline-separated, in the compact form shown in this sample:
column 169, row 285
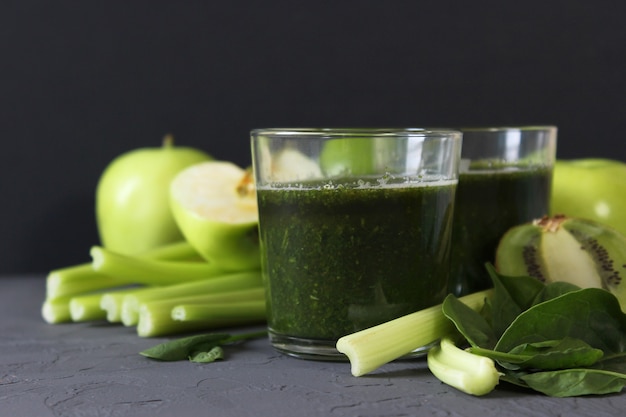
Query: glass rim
column 356, row 132
column 512, row 128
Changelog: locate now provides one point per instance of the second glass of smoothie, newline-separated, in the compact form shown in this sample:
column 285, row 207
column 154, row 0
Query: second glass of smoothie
column 504, row 180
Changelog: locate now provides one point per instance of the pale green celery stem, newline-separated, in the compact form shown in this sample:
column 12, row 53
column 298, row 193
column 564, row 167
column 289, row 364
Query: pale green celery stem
column 465, row 371
column 150, row 271
column 155, row 317
column 251, row 310
column 111, row 302
column 372, row 348
column 228, row 282
column 56, row 311
column 86, row 308
column 80, row 279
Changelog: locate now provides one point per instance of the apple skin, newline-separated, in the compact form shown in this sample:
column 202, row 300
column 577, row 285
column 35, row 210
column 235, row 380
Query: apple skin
column 591, row 188
column 353, row 156
column 132, row 197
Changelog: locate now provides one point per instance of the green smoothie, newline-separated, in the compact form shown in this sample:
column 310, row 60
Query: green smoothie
column 488, row 203
column 338, row 259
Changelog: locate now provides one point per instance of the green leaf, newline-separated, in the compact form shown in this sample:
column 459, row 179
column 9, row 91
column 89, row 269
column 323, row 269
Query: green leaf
column 556, row 339
column 471, row 324
column 553, row 290
column 182, row 349
column 215, row 353
column 592, row 315
column 203, row 348
column 557, row 354
column 575, row 382
column 512, row 296
column 545, row 355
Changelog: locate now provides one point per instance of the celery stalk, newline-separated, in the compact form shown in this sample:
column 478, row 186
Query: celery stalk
column 465, row 371
column 57, row 310
column 155, row 317
column 112, row 302
column 251, row 310
column 78, row 279
column 228, row 282
column 371, row 348
column 150, row 271
column 82, row 278
column 86, row 308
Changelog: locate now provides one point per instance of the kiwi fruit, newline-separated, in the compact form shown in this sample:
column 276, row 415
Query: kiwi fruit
column 582, row 252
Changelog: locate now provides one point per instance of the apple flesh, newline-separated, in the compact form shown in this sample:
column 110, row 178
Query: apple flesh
column 594, row 189
column 132, row 197
column 215, row 206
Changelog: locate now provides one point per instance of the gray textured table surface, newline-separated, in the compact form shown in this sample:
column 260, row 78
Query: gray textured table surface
column 94, row 369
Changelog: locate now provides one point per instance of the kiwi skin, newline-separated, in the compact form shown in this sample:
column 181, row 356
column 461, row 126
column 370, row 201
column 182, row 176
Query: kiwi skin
column 560, row 248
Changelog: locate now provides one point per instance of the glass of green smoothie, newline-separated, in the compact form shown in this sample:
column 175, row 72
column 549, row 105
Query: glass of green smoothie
column 504, row 180
column 355, row 229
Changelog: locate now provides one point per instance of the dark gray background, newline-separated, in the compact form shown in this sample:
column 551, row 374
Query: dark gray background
column 81, row 82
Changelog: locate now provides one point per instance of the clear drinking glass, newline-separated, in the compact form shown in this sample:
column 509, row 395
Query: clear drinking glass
column 504, row 180
column 354, row 226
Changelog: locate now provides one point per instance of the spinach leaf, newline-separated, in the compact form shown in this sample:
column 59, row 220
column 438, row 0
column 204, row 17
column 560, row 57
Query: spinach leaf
column 215, row 353
column 512, row 296
column 469, row 323
column 202, row 348
column 592, row 315
column 181, row 349
column 557, row 339
column 575, row 382
column 546, row 355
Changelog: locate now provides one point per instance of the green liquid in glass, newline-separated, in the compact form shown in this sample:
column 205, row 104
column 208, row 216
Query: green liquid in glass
column 342, row 259
column 488, row 203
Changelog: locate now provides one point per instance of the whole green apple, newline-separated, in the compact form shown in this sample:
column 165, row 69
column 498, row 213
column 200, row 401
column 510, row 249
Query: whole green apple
column 132, row 197
column 591, row 188
column 351, row 156
column 214, row 204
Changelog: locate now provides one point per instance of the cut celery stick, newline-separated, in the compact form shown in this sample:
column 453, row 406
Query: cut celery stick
column 465, row 371
column 86, row 308
column 111, row 303
column 150, row 271
column 252, row 310
column 155, row 317
column 80, row 279
column 229, row 282
column 56, row 311
column 371, row 348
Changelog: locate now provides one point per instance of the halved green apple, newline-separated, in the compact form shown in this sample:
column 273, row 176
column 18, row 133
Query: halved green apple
column 214, row 204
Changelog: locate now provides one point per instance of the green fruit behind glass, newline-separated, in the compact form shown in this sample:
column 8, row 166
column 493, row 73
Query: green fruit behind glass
column 591, row 188
column 132, row 197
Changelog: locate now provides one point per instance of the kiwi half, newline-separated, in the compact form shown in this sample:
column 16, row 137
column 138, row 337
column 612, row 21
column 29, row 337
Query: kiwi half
column 560, row 248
